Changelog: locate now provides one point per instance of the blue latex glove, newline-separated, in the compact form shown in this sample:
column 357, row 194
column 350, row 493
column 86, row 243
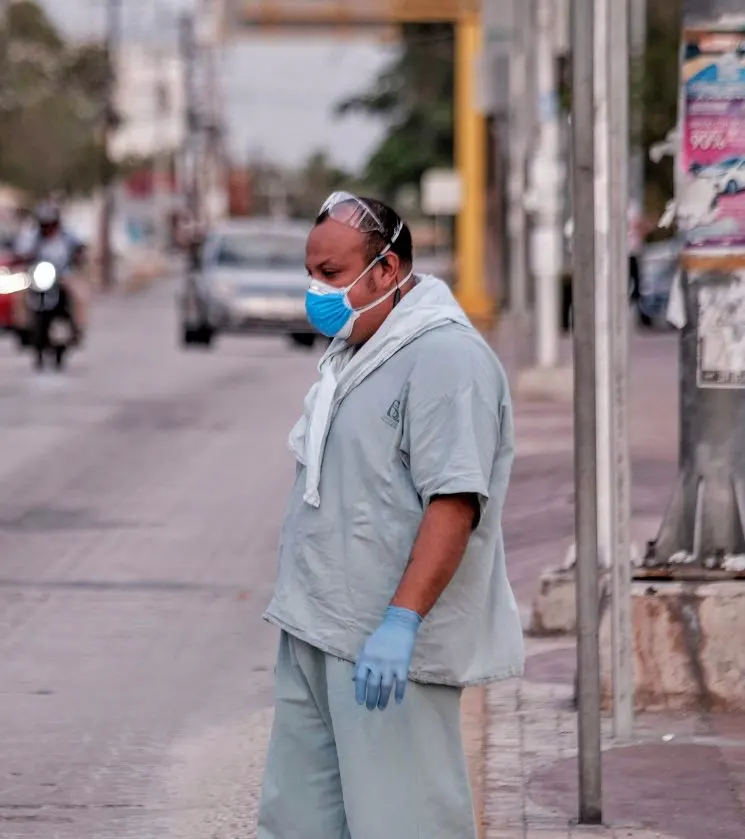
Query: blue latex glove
column 386, row 658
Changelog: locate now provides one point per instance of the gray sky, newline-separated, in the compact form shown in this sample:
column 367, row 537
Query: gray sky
column 279, row 90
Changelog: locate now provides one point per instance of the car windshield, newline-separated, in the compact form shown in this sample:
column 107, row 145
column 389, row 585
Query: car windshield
column 261, row 250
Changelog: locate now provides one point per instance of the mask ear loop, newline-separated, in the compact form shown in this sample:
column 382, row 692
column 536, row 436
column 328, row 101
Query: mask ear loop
column 397, row 294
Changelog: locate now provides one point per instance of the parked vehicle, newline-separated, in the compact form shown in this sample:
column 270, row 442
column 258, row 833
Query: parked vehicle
column 658, row 263
column 249, row 278
column 12, row 286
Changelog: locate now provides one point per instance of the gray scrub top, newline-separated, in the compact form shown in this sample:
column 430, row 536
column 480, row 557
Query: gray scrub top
column 435, row 419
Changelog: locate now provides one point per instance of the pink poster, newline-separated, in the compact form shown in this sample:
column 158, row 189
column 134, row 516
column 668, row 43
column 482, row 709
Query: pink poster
column 711, row 199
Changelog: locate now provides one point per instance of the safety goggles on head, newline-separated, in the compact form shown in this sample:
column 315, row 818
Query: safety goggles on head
column 353, row 211
column 348, row 209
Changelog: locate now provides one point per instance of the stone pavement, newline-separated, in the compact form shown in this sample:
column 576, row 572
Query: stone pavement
column 683, row 776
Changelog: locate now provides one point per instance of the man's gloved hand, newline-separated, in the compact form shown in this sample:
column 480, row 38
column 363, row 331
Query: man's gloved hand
column 386, row 658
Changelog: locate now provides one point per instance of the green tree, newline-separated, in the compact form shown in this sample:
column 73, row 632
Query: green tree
column 655, row 87
column 414, row 97
column 51, row 98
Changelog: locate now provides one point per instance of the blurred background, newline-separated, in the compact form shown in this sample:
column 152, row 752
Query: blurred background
column 179, row 110
column 188, row 146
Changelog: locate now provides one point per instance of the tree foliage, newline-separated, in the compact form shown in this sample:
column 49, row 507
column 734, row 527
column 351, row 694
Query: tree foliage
column 414, row 96
column 656, row 86
column 51, row 106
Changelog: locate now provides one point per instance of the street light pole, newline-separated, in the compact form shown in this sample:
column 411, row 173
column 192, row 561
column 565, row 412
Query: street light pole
column 190, row 162
column 638, row 45
column 603, row 285
column 585, row 429
column 113, row 37
column 547, row 179
column 519, row 126
column 612, row 339
column 618, row 346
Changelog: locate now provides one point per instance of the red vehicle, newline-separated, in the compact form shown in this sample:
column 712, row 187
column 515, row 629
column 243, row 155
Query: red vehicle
column 11, row 291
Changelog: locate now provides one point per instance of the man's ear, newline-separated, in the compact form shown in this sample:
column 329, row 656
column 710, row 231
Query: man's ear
column 390, row 264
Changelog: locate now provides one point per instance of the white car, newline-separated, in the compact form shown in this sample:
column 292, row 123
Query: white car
column 733, row 180
column 728, row 175
column 251, row 278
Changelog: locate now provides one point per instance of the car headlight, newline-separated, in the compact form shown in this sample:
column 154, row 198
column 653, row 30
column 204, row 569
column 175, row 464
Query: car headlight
column 43, row 276
column 13, row 282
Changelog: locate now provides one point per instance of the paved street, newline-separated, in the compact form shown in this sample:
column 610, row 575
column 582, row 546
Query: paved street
column 140, row 498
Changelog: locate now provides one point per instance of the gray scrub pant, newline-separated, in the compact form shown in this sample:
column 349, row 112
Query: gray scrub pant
column 338, row 771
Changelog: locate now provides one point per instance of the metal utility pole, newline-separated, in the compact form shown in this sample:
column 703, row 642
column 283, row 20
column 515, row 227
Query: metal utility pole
column 603, row 285
column 113, row 39
column 499, row 32
column 585, row 430
column 612, row 339
column 191, row 143
column 546, row 189
column 618, row 345
column 638, row 38
column 211, row 34
column 162, row 108
column 519, row 140
column 160, row 155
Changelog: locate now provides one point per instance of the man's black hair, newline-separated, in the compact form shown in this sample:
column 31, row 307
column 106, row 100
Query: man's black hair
column 377, row 242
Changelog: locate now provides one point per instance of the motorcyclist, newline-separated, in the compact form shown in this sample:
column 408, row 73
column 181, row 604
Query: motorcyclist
column 46, row 240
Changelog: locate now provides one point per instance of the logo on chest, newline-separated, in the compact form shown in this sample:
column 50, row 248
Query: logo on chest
column 393, row 414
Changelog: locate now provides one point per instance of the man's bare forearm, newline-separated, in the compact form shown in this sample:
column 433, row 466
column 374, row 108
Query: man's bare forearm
column 437, row 553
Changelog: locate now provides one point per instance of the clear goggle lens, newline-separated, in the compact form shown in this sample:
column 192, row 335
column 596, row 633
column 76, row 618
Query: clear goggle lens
column 353, row 211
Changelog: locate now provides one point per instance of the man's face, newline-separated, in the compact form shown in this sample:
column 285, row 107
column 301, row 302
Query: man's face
column 336, row 255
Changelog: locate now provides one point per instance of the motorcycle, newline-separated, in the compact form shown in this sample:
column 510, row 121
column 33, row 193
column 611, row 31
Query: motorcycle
column 51, row 327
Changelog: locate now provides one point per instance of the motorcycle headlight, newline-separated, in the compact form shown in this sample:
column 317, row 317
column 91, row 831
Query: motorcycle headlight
column 44, row 276
column 13, row 282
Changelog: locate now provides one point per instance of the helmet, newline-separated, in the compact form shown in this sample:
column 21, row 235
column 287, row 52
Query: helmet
column 47, row 214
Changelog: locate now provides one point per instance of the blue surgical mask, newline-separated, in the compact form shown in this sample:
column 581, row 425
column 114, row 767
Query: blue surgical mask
column 328, row 309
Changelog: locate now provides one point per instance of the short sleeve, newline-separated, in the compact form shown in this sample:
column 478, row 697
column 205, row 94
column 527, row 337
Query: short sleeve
column 452, row 429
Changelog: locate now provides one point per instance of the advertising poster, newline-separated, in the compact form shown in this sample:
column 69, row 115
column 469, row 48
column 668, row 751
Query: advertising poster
column 711, row 195
column 721, row 331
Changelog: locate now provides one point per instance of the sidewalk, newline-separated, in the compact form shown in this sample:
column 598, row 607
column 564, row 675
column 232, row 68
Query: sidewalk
column 683, row 777
column 539, row 514
column 689, row 785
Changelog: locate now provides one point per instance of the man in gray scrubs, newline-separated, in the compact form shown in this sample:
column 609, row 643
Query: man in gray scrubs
column 392, row 593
